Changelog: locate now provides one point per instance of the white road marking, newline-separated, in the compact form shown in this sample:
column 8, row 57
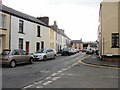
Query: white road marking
column 28, row 86
column 60, row 71
column 47, row 78
column 74, row 64
column 39, row 87
column 68, row 67
column 56, row 78
column 64, row 69
column 54, row 74
column 53, row 79
column 46, row 83
column 39, row 82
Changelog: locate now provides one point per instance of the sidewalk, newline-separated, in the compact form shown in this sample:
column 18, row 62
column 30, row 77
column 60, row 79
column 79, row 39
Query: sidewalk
column 94, row 60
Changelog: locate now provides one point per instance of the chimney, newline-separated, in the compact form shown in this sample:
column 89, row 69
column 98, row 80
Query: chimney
column 44, row 19
column 55, row 23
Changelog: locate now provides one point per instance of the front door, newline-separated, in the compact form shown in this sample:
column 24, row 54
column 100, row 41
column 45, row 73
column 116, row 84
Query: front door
column 42, row 45
column 27, row 47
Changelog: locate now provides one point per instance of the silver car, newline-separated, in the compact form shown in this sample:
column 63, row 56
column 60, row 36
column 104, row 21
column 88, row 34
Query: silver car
column 44, row 54
column 14, row 57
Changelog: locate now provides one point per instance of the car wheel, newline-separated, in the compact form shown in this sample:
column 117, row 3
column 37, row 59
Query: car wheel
column 54, row 56
column 45, row 58
column 12, row 63
column 31, row 61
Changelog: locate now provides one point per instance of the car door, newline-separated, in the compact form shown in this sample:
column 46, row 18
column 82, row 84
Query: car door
column 23, row 56
column 16, row 56
column 48, row 53
column 52, row 53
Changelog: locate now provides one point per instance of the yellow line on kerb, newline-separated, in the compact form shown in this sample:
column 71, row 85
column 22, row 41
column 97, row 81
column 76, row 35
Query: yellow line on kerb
column 79, row 61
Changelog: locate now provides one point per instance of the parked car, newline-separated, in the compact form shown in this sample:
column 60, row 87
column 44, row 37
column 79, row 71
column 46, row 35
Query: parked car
column 66, row 51
column 44, row 54
column 77, row 50
column 14, row 57
column 72, row 50
column 83, row 50
column 55, row 52
column 89, row 51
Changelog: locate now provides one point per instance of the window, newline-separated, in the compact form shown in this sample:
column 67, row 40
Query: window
column 22, row 52
column 20, row 43
column 37, row 46
column 21, row 26
column 115, row 40
column 3, row 21
column 38, row 31
column 56, row 36
column 15, row 52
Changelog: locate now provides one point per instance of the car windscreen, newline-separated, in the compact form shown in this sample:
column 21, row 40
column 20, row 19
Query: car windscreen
column 65, row 49
column 6, row 52
column 40, row 51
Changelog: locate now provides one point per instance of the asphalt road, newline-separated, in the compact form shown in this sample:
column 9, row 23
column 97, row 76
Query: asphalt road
column 62, row 72
column 25, row 74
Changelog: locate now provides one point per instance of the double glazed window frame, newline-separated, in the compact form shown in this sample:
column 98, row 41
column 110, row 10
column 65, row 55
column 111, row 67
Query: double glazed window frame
column 21, row 26
column 20, row 43
column 115, row 40
column 38, row 31
column 3, row 21
column 37, row 46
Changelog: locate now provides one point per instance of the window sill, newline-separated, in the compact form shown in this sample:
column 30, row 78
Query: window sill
column 39, row 36
column 3, row 28
column 115, row 47
column 21, row 32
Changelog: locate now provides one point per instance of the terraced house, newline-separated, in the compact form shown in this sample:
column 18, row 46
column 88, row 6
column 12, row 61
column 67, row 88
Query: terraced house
column 109, row 30
column 22, row 31
column 61, row 40
column 4, row 31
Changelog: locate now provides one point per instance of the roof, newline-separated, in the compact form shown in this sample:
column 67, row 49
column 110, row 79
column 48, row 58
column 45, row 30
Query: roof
column 76, row 41
column 21, row 15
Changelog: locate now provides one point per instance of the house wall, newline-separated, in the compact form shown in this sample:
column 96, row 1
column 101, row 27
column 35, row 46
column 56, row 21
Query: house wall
column 60, row 41
column 56, row 41
column 119, row 25
column 30, row 34
column 109, row 26
column 45, row 36
column 52, row 38
column 4, row 32
column 77, row 45
column 15, row 35
column 63, row 42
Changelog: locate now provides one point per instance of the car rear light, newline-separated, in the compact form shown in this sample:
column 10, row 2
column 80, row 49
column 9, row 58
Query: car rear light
column 5, row 59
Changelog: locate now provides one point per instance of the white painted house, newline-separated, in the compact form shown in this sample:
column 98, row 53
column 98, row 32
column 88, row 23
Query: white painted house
column 27, row 32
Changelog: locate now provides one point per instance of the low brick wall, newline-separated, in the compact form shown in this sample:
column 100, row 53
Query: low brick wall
column 111, row 59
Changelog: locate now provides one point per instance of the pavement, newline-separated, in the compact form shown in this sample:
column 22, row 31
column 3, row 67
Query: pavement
column 94, row 60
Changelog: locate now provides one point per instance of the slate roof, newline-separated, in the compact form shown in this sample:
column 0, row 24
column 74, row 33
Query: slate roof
column 76, row 41
column 21, row 15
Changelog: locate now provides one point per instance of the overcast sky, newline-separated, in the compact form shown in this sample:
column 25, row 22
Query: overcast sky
column 79, row 18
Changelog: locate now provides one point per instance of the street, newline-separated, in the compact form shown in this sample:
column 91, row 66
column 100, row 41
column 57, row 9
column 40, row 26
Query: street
column 62, row 72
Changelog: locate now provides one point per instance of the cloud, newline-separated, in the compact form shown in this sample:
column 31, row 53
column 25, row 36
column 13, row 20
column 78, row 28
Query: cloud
column 74, row 2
